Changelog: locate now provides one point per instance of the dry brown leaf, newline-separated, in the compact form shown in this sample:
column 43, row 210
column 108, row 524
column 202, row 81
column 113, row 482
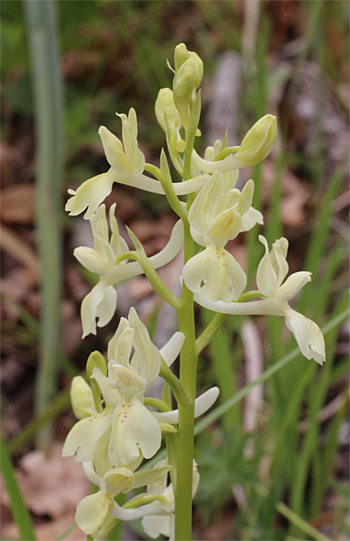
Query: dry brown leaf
column 17, row 204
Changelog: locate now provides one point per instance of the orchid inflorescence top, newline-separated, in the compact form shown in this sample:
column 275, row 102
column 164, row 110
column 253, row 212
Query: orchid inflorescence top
column 117, row 430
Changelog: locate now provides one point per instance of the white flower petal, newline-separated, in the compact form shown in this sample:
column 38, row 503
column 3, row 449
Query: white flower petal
column 250, row 218
column 126, row 380
column 112, row 344
column 84, row 434
column 134, row 428
column 114, row 152
column 146, row 360
column 89, row 308
column 90, row 259
column 266, row 277
column 111, row 395
column 223, row 277
column 106, row 308
column 308, row 335
column 293, row 284
column 154, row 525
column 92, row 512
column 91, row 194
column 278, row 259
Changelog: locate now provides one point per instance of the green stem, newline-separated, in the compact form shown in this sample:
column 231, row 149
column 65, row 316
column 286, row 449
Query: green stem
column 179, row 390
column 208, row 333
column 148, row 269
column 225, row 152
column 185, row 447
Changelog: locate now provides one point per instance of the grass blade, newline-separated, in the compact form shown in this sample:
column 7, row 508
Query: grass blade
column 20, row 512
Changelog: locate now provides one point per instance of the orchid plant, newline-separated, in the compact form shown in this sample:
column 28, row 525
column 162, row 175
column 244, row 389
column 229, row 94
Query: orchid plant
column 118, row 427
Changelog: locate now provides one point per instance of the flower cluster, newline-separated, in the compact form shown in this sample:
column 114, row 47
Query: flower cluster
column 116, row 430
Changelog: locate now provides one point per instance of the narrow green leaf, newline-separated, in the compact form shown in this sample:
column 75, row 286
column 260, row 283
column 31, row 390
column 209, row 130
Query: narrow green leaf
column 20, row 512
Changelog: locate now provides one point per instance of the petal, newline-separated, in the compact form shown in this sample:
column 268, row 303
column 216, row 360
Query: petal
column 250, row 218
column 225, row 227
column 154, row 525
column 203, row 209
column 146, row 360
column 90, row 259
column 126, row 380
column 84, row 434
column 154, row 476
column 89, row 308
column 266, row 277
column 111, row 395
column 123, row 348
column 100, row 461
column 223, row 277
column 246, row 197
column 201, row 405
column 134, row 428
column 113, row 343
column 91, row 194
column 278, row 259
column 118, row 244
column 198, row 236
column 92, row 512
column 171, row 350
column 293, row 284
column 114, row 152
column 308, row 335
column 106, row 308
column 118, row 480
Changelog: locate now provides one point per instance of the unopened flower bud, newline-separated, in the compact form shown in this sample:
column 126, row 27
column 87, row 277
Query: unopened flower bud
column 184, row 81
column 180, row 55
column 198, row 67
column 165, row 105
column 82, row 398
column 96, row 360
column 258, row 142
column 183, row 88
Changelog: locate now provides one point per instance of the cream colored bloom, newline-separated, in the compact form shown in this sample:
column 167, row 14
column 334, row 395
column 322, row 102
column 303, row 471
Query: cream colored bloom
column 217, row 216
column 162, row 520
column 101, row 302
column 126, row 163
column 130, row 428
column 94, row 511
column 271, row 273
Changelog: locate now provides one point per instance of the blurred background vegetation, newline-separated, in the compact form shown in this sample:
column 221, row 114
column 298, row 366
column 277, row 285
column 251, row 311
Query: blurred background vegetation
column 274, row 465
